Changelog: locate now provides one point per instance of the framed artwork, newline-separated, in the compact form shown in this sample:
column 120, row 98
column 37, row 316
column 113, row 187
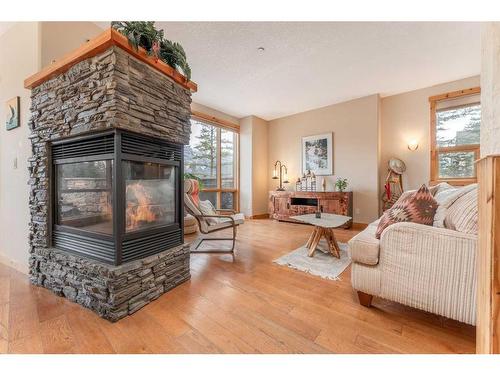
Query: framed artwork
column 317, row 154
column 12, row 119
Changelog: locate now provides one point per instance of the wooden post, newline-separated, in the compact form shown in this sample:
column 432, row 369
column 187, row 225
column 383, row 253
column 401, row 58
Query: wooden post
column 488, row 269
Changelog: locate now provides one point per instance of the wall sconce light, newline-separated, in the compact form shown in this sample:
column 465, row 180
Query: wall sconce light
column 280, row 173
column 413, row 145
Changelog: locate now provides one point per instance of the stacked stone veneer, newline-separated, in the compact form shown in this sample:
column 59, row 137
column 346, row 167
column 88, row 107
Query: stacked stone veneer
column 112, row 292
column 110, row 90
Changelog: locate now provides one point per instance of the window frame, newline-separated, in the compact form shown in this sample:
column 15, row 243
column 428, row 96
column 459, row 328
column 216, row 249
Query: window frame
column 435, row 150
column 220, row 124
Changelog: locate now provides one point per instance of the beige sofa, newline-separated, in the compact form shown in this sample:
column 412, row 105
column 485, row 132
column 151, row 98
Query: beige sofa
column 431, row 268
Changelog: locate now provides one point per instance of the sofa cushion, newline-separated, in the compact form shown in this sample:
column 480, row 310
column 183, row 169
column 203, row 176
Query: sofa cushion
column 364, row 247
column 445, row 199
column 439, row 188
column 418, row 207
column 462, row 215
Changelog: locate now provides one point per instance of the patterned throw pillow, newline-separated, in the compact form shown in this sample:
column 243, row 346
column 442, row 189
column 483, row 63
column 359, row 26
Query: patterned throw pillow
column 418, row 207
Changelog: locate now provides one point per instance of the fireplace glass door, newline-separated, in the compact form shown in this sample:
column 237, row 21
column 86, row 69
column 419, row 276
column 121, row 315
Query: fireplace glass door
column 84, row 196
column 149, row 195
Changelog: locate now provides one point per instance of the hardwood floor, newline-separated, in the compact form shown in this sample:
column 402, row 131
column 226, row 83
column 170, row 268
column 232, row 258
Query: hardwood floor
column 242, row 305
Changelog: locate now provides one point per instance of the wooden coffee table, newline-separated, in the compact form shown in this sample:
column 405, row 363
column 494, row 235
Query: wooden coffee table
column 323, row 227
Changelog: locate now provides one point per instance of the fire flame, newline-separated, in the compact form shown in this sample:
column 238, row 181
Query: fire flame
column 140, row 212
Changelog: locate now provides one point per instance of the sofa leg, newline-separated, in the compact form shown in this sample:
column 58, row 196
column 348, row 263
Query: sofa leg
column 365, row 299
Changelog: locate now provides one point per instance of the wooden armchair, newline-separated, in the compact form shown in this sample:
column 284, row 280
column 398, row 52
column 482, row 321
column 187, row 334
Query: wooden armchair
column 210, row 223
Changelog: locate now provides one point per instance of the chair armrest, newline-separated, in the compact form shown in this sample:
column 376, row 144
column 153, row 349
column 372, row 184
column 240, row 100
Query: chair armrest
column 218, row 217
column 226, row 210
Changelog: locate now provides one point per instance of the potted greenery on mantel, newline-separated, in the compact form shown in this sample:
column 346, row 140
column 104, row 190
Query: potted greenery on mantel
column 144, row 34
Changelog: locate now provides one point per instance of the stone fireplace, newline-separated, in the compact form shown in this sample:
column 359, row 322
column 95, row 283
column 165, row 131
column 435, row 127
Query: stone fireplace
column 107, row 130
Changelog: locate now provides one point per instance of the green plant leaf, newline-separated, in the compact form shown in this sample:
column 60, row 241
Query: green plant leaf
column 144, row 34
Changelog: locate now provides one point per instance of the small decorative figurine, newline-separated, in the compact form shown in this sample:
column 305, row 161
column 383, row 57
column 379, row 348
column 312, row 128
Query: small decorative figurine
column 308, row 180
column 298, row 185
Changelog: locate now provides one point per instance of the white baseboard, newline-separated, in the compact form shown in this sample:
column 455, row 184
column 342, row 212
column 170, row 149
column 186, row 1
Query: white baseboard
column 23, row 268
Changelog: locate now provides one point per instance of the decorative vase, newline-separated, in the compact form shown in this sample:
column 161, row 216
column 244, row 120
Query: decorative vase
column 318, row 211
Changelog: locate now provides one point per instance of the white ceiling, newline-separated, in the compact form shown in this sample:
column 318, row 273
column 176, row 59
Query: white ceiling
column 309, row 65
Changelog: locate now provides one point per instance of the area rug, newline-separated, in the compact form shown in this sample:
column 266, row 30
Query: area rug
column 322, row 264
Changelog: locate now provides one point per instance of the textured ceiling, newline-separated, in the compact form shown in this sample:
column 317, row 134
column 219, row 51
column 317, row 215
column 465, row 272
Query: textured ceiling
column 310, row 65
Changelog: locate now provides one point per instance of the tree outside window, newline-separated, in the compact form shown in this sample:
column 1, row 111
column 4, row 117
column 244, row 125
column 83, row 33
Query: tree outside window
column 211, row 156
column 455, row 133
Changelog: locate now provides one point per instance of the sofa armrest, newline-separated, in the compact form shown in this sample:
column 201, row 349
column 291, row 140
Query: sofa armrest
column 429, row 268
column 402, row 232
column 364, row 247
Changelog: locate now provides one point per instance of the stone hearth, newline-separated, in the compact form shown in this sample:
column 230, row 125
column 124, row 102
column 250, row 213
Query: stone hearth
column 112, row 292
column 109, row 89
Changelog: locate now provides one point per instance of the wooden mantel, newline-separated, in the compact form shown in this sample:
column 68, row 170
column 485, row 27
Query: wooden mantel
column 99, row 44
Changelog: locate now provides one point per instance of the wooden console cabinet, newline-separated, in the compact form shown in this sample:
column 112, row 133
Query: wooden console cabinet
column 283, row 204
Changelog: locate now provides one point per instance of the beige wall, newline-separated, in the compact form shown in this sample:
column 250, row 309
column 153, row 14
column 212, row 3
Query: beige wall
column 407, row 116
column 212, row 112
column 355, row 137
column 20, row 51
column 260, row 166
column 59, row 38
column 246, row 165
column 253, row 165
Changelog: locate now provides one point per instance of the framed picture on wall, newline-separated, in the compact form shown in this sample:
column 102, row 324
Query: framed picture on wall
column 317, row 154
column 12, row 119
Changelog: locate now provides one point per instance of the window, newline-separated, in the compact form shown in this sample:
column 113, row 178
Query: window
column 212, row 156
column 455, row 127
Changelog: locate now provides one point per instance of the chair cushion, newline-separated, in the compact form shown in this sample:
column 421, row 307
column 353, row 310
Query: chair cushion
column 191, row 207
column 207, row 208
column 418, row 207
column 192, row 188
column 225, row 223
column 462, row 215
column 364, row 247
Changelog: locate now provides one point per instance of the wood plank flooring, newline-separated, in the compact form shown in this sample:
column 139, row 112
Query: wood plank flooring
column 241, row 305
